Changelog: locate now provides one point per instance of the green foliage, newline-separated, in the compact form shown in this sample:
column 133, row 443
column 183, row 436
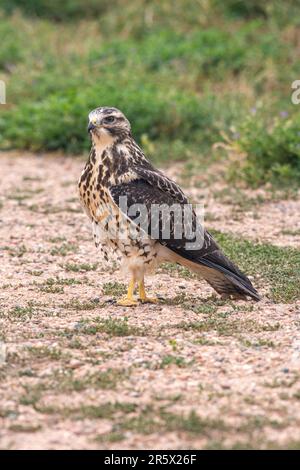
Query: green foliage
column 279, row 267
column 59, row 121
column 11, row 49
column 55, row 9
column 272, row 150
column 273, row 9
column 206, row 52
column 184, row 73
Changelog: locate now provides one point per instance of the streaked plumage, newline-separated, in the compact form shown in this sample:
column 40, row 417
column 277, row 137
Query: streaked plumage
column 117, row 167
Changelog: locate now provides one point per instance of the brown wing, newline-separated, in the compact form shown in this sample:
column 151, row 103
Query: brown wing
column 142, row 192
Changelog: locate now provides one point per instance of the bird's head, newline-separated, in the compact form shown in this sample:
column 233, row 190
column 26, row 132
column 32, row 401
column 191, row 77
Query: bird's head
column 107, row 124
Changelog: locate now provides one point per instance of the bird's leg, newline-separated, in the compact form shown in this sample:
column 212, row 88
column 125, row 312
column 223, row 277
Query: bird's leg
column 143, row 296
column 128, row 300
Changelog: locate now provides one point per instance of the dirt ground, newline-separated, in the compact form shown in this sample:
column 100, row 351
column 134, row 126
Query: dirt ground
column 79, row 372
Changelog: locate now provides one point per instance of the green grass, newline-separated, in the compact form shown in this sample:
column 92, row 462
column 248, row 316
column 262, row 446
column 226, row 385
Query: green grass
column 20, row 312
column 186, row 76
column 65, row 381
column 55, row 10
column 173, row 360
column 80, row 267
column 105, row 380
column 270, row 148
column 45, row 352
column 228, row 327
column 114, row 288
column 64, row 249
column 148, row 422
column 110, row 326
column 78, row 304
column 277, row 267
column 55, row 286
column 273, row 267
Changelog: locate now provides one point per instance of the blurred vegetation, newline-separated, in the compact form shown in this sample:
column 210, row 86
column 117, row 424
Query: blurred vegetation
column 187, row 74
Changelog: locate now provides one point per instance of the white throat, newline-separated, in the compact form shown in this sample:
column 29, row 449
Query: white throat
column 103, row 141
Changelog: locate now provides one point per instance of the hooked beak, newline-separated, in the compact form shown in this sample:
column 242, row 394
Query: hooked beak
column 91, row 127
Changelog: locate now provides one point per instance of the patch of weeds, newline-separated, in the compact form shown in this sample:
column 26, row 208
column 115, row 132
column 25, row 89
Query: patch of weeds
column 225, row 326
column 45, row 352
column 179, row 299
column 20, row 312
column 177, row 270
column 101, row 411
column 31, row 178
column 35, row 272
column 192, row 423
column 277, row 266
column 113, row 436
column 173, row 360
column 282, row 383
column 258, row 343
column 293, row 233
column 255, row 423
column 27, row 373
column 174, row 345
column 150, row 421
column 75, row 343
column 56, row 239
column 209, row 306
column 50, row 289
column 202, row 341
column 55, row 286
column 80, row 267
column 64, row 249
column 76, row 304
column 31, row 395
column 115, row 289
column 18, row 252
column 25, row 427
column 18, row 196
column 111, row 326
column 146, row 422
column 106, row 380
column 267, row 150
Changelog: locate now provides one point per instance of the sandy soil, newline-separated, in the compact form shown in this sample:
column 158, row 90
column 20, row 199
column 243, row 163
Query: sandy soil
column 79, row 372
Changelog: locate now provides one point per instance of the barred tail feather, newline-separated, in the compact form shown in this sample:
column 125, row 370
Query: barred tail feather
column 220, row 273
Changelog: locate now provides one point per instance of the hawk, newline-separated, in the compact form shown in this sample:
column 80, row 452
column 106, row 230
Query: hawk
column 116, row 169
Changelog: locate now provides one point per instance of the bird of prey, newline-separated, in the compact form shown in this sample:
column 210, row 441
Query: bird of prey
column 116, row 169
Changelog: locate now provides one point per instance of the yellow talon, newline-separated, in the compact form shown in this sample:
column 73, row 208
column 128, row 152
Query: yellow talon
column 129, row 300
column 143, row 296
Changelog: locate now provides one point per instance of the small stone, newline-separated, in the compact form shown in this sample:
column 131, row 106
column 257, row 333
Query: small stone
column 74, row 363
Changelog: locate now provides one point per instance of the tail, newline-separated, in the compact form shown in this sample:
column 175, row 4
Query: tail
column 229, row 280
column 224, row 276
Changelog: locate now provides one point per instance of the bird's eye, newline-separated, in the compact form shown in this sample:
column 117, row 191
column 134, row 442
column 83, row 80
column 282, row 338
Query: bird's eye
column 109, row 119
